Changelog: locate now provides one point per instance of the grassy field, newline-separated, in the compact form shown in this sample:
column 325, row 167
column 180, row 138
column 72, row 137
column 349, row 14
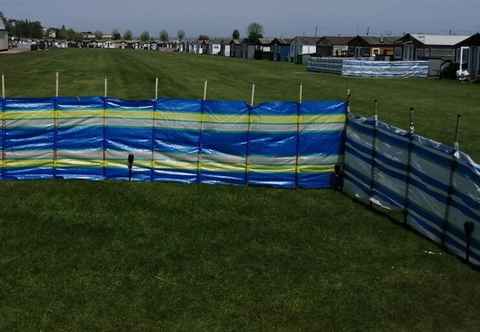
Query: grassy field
column 80, row 256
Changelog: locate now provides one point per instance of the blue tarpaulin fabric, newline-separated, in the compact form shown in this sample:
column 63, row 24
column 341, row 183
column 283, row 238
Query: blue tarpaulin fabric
column 439, row 190
column 279, row 144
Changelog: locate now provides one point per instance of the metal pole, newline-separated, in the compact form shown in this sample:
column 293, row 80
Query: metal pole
column 156, row 88
column 252, row 100
column 205, row 87
column 453, row 168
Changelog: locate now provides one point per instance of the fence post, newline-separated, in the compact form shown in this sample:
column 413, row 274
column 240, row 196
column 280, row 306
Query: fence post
column 374, row 154
column 451, row 183
column 411, row 133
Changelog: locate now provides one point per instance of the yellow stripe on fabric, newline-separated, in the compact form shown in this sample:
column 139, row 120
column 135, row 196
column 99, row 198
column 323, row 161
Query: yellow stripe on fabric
column 213, row 166
column 302, row 119
column 27, row 115
column 173, row 116
column 79, row 114
column 24, row 163
column 316, row 169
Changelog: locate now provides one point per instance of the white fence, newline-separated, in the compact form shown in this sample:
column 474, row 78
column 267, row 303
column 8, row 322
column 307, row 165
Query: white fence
column 369, row 68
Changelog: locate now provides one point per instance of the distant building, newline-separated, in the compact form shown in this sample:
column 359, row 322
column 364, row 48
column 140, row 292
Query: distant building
column 107, row 36
column 373, row 46
column 472, row 57
column 214, row 46
column 236, row 49
column 3, row 37
column 280, row 49
column 333, row 46
column 301, row 47
column 225, row 51
column 88, row 35
column 260, row 49
column 426, row 47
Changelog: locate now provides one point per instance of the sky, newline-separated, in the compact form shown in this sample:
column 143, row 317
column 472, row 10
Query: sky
column 218, row 18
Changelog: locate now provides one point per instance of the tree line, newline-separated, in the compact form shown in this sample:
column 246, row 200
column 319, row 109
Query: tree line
column 34, row 29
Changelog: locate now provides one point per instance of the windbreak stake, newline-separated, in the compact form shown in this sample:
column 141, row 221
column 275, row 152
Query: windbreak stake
column 131, row 159
column 3, row 86
column 457, row 133
column 156, row 88
column 205, row 87
column 300, row 99
column 105, row 94
column 252, row 100
column 57, row 84
column 469, row 227
column 411, row 126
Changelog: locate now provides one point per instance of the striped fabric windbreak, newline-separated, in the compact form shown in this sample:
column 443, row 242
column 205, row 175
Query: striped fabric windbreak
column 279, row 144
column 436, row 186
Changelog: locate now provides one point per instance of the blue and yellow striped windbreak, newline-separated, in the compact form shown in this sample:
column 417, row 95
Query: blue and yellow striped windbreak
column 280, row 144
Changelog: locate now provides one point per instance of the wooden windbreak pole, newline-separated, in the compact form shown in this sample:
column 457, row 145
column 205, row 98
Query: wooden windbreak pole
column 297, row 155
column 105, row 94
column 252, row 99
column 205, row 88
column 55, row 123
column 249, row 128
column 411, row 133
column 104, row 126
column 451, row 183
column 3, row 86
column 374, row 153
column 156, row 88
column 57, row 84
column 300, row 99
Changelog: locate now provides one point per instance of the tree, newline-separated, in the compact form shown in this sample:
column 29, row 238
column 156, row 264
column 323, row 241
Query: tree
column 116, row 35
column 255, row 32
column 62, row 33
column 236, row 35
column 128, row 35
column 145, row 36
column 203, row 37
column 180, row 35
column 164, row 36
column 98, row 34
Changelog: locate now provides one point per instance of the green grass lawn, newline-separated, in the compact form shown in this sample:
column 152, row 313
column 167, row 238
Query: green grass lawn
column 85, row 256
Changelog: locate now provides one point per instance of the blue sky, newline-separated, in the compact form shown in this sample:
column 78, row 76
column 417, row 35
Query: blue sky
column 279, row 17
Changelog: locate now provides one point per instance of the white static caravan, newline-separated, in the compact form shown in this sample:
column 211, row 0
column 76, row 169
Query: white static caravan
column 471, row 56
